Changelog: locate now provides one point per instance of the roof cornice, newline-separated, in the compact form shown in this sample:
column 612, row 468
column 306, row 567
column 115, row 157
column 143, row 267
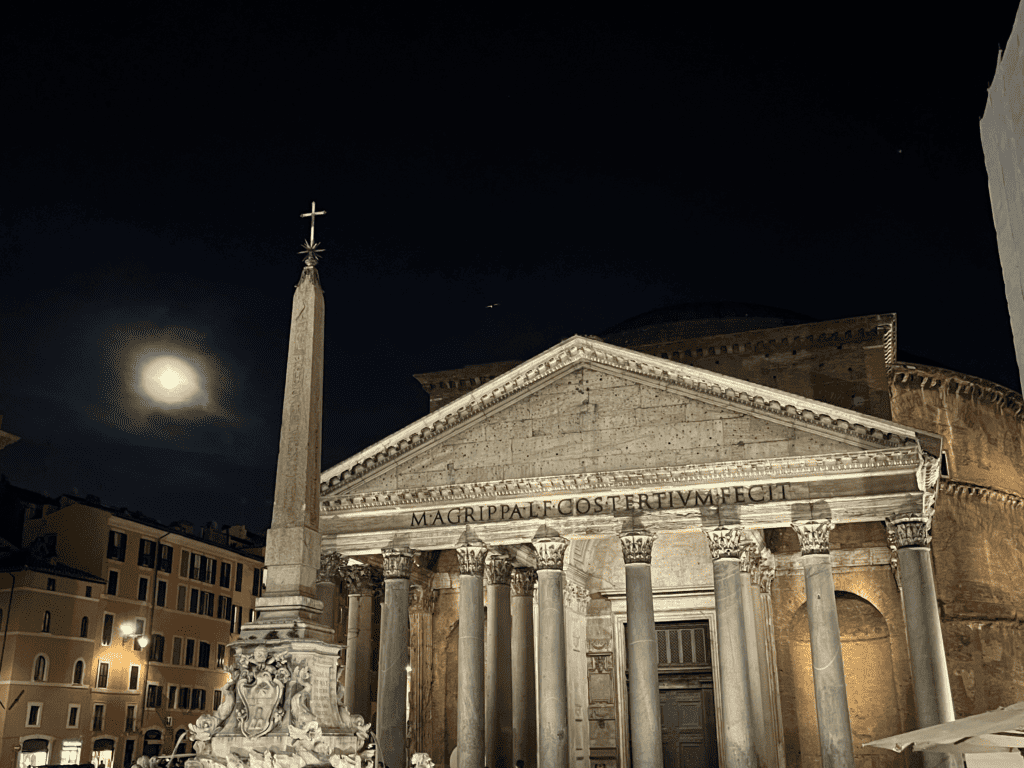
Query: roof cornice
column 870, row 431
column 959, row 384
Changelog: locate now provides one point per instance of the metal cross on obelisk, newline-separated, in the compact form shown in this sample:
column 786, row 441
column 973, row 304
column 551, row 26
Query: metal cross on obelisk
column 310, row 246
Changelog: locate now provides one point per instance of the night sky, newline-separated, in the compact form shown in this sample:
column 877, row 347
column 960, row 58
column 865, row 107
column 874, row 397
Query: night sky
column 575, row 170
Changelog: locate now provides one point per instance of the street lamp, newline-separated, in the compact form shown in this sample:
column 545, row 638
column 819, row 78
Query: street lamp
column 130, row 630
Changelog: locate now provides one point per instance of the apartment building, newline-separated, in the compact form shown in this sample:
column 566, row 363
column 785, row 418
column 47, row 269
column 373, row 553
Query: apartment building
column 116, row 631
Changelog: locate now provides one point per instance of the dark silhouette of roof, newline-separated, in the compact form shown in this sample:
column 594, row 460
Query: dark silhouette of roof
column 698, row 319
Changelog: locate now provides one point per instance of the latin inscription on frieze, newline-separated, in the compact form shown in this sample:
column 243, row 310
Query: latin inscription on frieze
column 602, row 505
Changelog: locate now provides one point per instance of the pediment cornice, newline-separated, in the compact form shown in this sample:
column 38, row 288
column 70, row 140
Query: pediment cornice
column 788, row 468
column 861, row 429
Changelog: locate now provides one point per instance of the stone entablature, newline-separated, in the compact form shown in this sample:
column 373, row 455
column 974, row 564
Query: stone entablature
column 867, row 430
column 841, row 559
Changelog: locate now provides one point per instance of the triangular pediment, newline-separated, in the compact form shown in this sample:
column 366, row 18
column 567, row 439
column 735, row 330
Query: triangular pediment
column 585, row 407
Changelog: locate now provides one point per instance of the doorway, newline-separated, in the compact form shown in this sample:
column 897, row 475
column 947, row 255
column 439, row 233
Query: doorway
column 686, row 692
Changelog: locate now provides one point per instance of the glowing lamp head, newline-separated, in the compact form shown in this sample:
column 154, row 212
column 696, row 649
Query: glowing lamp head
column 127, row 627
column 143, row 642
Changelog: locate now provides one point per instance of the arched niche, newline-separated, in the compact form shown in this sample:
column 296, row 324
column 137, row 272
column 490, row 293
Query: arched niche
column 870, row 682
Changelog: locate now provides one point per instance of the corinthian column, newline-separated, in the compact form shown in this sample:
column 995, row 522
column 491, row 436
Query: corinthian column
column 331, row 566
column 471, row 553
column 644, row 702
column 924, row 632
column 726, row 547
column 826, row 650
column 394, row 657
column 498, row 664
column 554, row 714
column 362, row 581
column 524, row 698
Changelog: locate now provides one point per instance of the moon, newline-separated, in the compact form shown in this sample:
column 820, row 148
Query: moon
column 169, row 380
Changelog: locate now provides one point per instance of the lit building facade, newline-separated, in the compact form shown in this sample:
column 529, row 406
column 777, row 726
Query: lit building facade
column 626, row 551
column 115, row 631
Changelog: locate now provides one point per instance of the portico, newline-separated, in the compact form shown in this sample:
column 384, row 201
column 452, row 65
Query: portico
column 648, row 487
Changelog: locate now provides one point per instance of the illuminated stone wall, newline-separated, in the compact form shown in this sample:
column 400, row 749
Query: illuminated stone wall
column 979, row 512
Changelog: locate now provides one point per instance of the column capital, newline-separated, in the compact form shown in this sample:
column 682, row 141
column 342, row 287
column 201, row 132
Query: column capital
column 332, row 564
column 912, row 533
column 764, row 574
column 577, row 597
column 523, row 581
column 397, row 562
column 750, row 557
column 550, row 551
column 362, row 579
column 497, row 568
column 637, row 546
column 726, row 542
column 813, row 535
column 421, row 599
column 471, row 559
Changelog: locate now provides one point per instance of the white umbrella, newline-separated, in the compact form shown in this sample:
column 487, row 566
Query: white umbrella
column 1001, row 730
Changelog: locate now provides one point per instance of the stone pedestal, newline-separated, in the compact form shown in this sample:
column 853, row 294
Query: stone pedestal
column 524, row 698
column 471, row 554
column 554, row 719
column 362, row 582
column 392, row 675
column 641, row 641
column 924, row 631
column 826, row 651
column 734, row 679
column 498, row 664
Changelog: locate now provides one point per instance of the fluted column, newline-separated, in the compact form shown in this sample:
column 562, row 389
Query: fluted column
column 641, row 641
column 331, row 566
column 392, row 675
column 498, row 664
column 471, row 553
column 826, row 650
column 524, row 698
column 553, row 705
column 924, row 632
column 734, row 681
column 362, row 581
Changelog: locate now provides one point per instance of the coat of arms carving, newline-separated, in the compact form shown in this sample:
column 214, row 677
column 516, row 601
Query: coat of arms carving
column 260, row 690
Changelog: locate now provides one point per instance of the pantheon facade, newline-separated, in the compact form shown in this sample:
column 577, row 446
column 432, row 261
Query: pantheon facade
column 715, row 536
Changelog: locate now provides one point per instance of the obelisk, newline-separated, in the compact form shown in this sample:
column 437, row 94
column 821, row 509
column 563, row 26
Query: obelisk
column 287, row 644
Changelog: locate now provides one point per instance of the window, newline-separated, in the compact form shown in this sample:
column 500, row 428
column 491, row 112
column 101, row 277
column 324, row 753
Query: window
column 97, row 717
column 172, row 692
column 129, row 718
column 46, row 621
column 35, row 714
column 183, row 698
column 154, row 696
column 216, row 699
column 236, row 619
column 195, row 564
column 211, row 572
column 71, row 749
column 147, row 553
column 183, row 567
column 156, row 648
column 221, row 652
column 51, row 585
column 176, row 651
column 143, row 589
column 206, row 603
column 112, row 583
column 163, row 562
column 73, row 718
column 39, row 669
column 225, row 575
column 190, row 652
column 181, row 598
column 256, row 581
column 133, row 678
column 88, row 591
column 33, row 752
column 198, row 698
column 108, row 628
column 76, row 678
column 102, row 673
column 193, row 603
column 204, row 654
column 140, row 630
column 161, row 593
column 238, row 577
column 117, row 543
column 84, row 632
column 223, row 607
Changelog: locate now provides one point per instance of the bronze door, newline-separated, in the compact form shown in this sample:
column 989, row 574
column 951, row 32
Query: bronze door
column 688, row 728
